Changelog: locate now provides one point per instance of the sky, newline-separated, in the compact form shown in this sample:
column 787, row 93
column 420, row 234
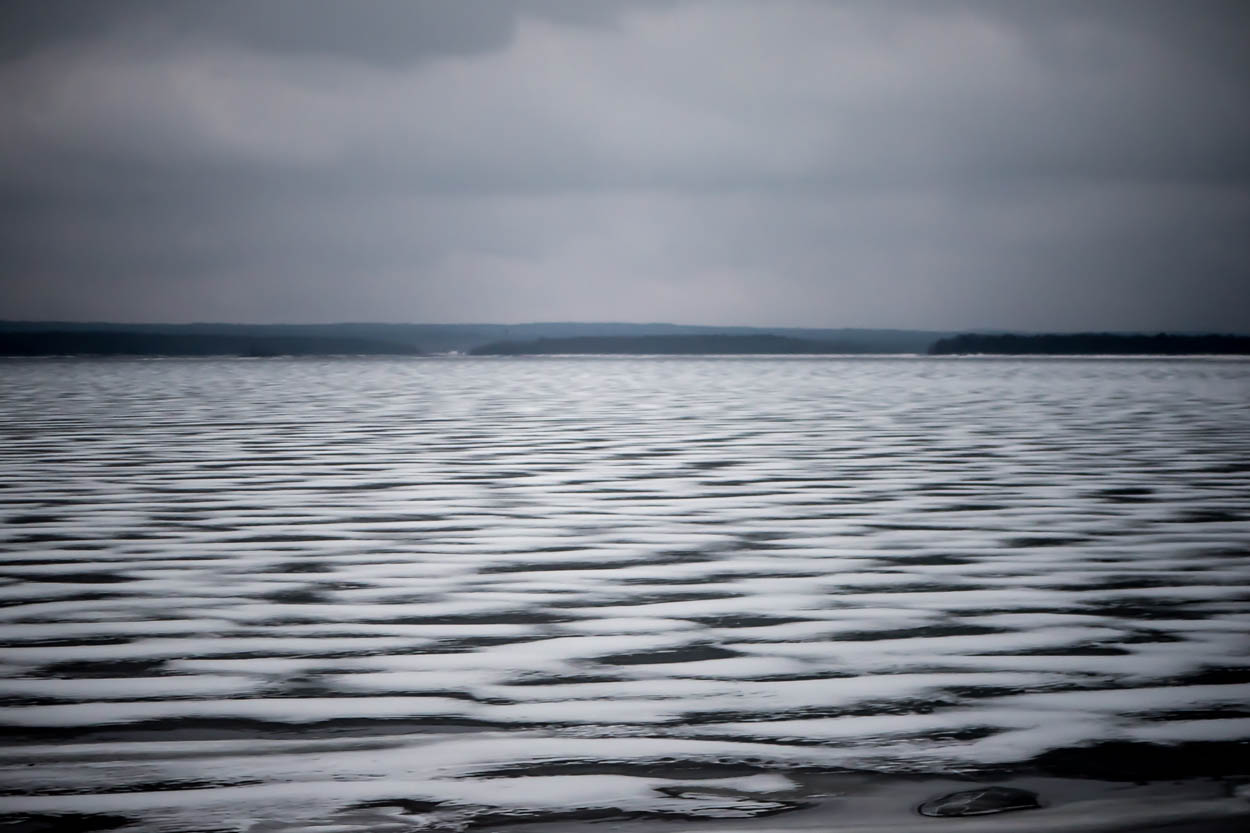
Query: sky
column 932, row 164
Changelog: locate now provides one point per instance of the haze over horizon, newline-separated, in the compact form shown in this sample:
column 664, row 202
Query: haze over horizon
column 941, row 165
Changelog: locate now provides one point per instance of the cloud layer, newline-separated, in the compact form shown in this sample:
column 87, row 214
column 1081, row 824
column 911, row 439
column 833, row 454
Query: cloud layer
column 1055, row 165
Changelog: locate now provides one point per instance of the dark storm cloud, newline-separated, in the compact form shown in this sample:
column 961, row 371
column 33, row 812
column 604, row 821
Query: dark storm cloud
column 931, row 164
column 375, row 31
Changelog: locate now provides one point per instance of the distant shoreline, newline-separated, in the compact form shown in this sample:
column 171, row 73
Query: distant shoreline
column 1092, row 344
column 271, row 340
column 127, row 343
column 670, row 345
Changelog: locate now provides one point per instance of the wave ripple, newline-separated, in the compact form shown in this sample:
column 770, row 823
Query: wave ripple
column 445, row 593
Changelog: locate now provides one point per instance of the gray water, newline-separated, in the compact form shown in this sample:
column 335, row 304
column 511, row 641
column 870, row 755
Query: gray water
column 433, row 593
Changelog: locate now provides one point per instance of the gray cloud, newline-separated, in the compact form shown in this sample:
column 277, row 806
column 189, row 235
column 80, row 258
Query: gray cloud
column 386, row 32
column 939, row 164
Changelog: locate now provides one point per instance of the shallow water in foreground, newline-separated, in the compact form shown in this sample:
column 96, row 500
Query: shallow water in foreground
column 425, row 594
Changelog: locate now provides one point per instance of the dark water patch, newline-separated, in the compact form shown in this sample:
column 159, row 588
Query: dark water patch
column 73, row 641
column 84, row 577
column 756, row 540
column 521, row 616
column 709, row 465
column 1147, row 637
column 31, row 700
column 1227, row 468
column 463, row 644
column 90, row 669
column 563, row 679
column 1233, row 825
column 35, row 562
column 297, row 595
column 429, row 521
column 1137, row 582
column 313, row 652
column 233, row 728
column 368, row 486
column 733, row 620
column 284, row 538
column 902, row 527
column 299, row 689
column 40, row 538
column 62, row 822
column 1145, row 609
column 668, row 768
column 745, row 575
column 305, row 567
column 912, row 633
column 35, row 518
column 136, row 787
column 286, row 619
column 800, row 676
column 644, row 454
column 967, row 507
column 407, row 806
column 962, row 734
column 1125, row 492
column 1208, row 515
column 736, row 493
column 732, row 805
column 683, row 557
column 925, row 559
column 195, row 527
column 901, row 707
column 46, row 501
column 65, row 597
column 1082, row 649
column 989, row 690
column 1132, row 761
column 1214, row 675
column 922, row 587
column 556, row 566
column 679, row 580
column 981, row 801
column 692, row 653
column 1031, row 541
column 734, row 483
column 1193, row 714
column 143, row 535
column 190, row 519
column 649, row 598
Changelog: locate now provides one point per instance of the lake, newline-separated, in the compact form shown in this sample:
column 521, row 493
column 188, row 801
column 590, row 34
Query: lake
column 445, row 593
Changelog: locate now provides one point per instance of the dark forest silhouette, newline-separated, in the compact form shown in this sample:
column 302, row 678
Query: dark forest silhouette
column 64, row 337
column 102, row 339
column 1113, row 344
column 124, row 343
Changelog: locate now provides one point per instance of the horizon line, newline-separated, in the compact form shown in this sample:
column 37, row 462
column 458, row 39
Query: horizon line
column 363, row 323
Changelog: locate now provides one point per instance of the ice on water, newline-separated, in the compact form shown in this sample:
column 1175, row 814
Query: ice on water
column 237, row 591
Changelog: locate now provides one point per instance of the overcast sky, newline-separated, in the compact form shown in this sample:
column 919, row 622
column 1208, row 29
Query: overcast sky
column 1041, row 164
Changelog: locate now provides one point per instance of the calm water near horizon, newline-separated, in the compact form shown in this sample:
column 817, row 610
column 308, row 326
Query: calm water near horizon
column 439, row 593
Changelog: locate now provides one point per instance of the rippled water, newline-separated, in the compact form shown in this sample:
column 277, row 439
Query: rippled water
column 436, row 593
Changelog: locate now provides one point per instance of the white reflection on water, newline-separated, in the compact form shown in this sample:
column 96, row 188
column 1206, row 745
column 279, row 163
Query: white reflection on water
column 279, row 584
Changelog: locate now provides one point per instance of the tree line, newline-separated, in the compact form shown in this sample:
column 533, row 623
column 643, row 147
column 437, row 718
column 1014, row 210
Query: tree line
column 1112, row 344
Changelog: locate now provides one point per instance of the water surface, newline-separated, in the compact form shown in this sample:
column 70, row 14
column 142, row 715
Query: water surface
column 439, row 593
